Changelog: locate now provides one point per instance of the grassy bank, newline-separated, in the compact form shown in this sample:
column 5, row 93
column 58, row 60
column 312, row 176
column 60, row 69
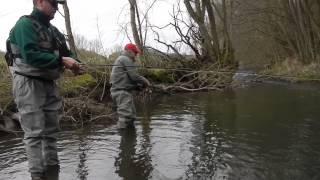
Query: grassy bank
column 5, row 85
column 294, row 71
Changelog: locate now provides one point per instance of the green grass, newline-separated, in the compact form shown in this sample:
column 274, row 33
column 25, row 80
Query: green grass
column 5, row 94
column 5, row 83
column 77, row 85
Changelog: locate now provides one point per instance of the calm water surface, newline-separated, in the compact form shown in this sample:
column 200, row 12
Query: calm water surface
column 256, row 133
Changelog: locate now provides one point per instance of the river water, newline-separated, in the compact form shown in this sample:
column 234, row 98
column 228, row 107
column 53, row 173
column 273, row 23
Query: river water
column 253, row 133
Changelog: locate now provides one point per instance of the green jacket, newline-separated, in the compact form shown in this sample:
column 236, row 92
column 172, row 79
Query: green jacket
column 34, row 39
column 124, row 75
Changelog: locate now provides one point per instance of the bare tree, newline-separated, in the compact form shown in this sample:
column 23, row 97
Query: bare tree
column 139, row 22
column 187, row 35
column 213, row 20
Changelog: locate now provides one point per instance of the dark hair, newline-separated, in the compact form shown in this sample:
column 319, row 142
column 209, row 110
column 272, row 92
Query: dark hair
column 34, row 2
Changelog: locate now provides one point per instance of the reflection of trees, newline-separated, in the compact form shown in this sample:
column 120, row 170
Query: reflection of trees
column 208, row 134
column 82, row 169
column 134, row 161
column 291, row 133
column 257, row 133
column 145, row 141
column 209, row 137
column 264, row 130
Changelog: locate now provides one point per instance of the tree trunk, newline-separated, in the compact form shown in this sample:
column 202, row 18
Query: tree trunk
column 197, row 15
column 135, row 32
column 213, row 28
column 215, row 42
column 68, row 27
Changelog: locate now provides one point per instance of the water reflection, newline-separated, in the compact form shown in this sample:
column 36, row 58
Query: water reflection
column 133, row 161
column 84, row 148
column 210, row 141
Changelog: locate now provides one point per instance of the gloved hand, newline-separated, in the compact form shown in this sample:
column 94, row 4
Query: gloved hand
column 73, row 65
column 81, row 70
column 146, row 83
column 70, row 63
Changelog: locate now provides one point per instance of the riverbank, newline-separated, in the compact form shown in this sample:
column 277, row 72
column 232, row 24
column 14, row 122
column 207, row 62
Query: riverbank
column 87, row 99
column 293, row 71
column 80, row 94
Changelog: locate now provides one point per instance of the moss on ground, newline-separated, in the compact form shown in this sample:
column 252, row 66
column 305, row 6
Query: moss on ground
column 159, row 75
column 5, row 84
column 77, row 84
column 5, row 94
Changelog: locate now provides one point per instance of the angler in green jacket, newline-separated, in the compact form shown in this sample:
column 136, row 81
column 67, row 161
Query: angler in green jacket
column 38, row 62
column 125, row 79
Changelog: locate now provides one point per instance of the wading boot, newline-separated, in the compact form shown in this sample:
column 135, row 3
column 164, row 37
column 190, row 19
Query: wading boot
column 52, row 172
column 37, row 176
column 125, row 124
column 130, row 124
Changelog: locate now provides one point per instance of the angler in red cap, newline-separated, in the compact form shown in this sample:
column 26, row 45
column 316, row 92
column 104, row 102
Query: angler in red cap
column 124, row 81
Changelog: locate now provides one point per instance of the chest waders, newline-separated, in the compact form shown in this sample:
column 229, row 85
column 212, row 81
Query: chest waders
column 39, row 103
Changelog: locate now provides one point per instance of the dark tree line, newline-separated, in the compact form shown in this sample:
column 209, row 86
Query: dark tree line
column 296, row 28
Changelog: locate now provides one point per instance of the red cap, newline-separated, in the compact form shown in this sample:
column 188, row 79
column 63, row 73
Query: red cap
column 133, row 48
